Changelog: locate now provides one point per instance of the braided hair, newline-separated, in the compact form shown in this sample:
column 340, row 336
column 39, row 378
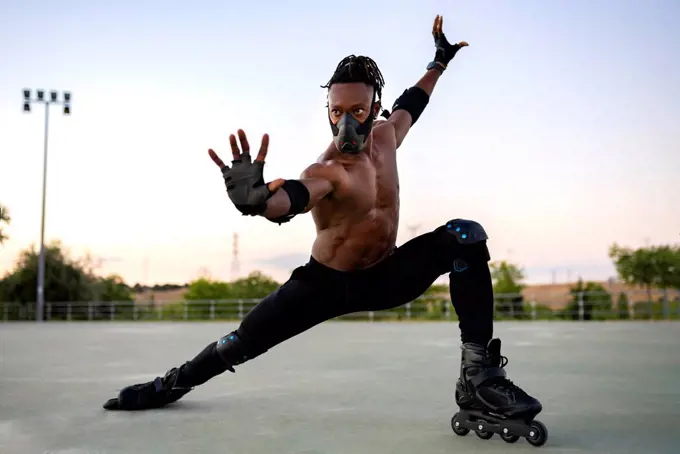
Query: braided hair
column 358, row 69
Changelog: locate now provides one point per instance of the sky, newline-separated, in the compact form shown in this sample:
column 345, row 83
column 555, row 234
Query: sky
column 557, row 128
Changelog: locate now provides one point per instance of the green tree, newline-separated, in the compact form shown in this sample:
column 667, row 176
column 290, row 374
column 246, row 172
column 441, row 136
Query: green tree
column 66, row 279
column 255, row 285
column 207, row 289
column 675, row 271
column 597, row 301
column 112, row 288
column 622, row 306
column 648, row 267
column 203, row 292
column 666, row 260
column 437, row 289
column 635, row 266
column 508, row 284
column 107, row 290
column 667, row 263
column 4, row 219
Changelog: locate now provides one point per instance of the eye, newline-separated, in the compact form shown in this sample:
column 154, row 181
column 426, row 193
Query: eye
column 336, row 112
column 359, row 111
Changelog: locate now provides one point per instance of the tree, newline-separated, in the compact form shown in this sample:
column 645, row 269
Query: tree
column 436, row 289
column 204, row 291
column 665, row 259
column 4, row 219
column 506, row 277
column 635, row 266
column 507, row 286
column 597, row 301
column 676, row 268
column 622, row 306
column 255, row 285
column 667, row 263
column 207, row 289
column 650, row 266
column 675, row 271
column 112, row 288
column 67, row 280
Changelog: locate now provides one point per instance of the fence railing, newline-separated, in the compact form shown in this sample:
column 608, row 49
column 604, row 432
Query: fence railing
column 578, row 306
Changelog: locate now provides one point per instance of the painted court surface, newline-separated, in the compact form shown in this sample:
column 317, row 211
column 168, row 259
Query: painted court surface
column 339, row 388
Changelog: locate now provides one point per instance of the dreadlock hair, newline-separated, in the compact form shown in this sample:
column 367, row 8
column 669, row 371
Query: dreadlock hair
column 358, row 69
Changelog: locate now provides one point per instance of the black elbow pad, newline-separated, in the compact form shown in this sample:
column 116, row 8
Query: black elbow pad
column 299, row 199
column 414, row 100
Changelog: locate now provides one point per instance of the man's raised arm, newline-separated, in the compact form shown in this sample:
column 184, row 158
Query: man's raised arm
column 280, row 200
column 408, row 107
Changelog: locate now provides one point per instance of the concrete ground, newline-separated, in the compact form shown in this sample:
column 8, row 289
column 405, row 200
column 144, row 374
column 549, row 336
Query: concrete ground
column 339, row 388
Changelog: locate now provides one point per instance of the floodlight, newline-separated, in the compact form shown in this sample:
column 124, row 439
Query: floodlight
column 27, row 107
column 67, row 96
column 27, row 94
column 41, row 94
column 67, row 109
column 53, row 96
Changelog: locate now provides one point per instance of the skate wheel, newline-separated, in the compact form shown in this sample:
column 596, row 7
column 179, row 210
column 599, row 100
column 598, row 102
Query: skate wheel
column 458, row 429
column 484, row 435
column 508, row 438
column 539, row 433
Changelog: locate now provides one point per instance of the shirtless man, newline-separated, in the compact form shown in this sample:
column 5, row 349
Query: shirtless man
column 353, row 195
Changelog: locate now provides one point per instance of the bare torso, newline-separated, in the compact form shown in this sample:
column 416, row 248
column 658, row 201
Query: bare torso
column 357, row 224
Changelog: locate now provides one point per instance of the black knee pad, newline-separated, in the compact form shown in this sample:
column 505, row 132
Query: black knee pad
column 471, row 236
column 234, row 350
column 467, row 232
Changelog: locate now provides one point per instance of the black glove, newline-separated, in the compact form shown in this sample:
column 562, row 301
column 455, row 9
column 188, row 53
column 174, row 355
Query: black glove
column 445, row 50
column 245, row 185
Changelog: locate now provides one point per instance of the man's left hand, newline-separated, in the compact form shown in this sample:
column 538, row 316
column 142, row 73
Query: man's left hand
column 445, row 50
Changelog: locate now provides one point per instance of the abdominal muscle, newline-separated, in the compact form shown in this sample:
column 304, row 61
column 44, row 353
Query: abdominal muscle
column 349, row 243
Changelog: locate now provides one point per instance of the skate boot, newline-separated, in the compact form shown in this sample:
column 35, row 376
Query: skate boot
column 154, row 394
column 490, row 403
column 215, row 359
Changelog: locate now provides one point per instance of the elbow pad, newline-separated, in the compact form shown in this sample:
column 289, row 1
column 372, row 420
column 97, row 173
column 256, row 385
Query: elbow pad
column 299, row 198
column 414, row 100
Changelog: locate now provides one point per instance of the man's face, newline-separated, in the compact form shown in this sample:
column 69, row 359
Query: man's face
column 354, row 98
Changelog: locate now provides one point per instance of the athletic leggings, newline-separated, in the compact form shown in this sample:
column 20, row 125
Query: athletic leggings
column 316, row 293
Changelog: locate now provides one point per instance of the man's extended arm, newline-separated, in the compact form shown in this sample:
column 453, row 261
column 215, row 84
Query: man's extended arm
column 279, row 200
column 300, row 196
column 408, row 107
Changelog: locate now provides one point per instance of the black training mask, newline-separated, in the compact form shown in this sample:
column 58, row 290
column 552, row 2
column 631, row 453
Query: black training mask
column 349, row 134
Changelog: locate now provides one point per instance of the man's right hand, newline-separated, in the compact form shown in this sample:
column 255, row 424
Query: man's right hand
column 244, row 180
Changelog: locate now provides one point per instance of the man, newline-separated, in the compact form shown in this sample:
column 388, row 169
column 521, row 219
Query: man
column 353, row 195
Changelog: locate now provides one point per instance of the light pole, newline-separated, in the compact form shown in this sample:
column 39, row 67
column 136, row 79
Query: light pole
column 66, row 102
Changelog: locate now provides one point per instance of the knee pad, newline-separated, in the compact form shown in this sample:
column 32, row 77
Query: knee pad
column 234, row 350
column 472, row 237
column 467, row 232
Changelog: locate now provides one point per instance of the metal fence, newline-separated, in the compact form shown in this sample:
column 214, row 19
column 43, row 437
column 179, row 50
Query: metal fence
column 631, row 305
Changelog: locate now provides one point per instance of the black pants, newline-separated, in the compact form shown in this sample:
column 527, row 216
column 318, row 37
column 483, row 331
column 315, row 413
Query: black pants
column 315, row 293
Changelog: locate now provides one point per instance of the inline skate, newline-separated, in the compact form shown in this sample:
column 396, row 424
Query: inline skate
column 490, row 403
column 153, row 394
